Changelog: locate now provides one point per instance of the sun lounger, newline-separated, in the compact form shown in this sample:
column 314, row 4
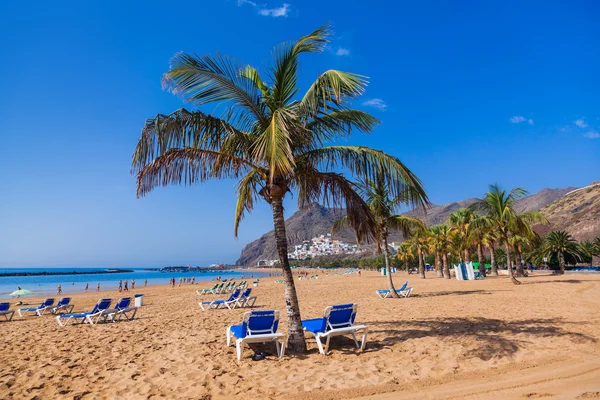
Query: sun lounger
column 208, row 290
column 258, row 326
column 5, row 311
column 46, row 305
column 337, row 320
column 403, row 291
column 86, row 317
column 218, row 303
column 245, row 299
column 122, row 309
column 63, row 304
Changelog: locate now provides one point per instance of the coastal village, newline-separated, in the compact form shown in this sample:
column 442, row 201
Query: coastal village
column 323, row 245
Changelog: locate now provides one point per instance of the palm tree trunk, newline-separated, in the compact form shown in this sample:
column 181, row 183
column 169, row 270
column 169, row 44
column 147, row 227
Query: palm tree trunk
column 481, row 260
column 446, row 266
column 386, row 256
column 561, row 262
column 421, row 264
column 510, row 272
column 406, row 266
column 296, row 342
column 520, row 270
column 467, row 255
column 438, row 264
column 493, row 261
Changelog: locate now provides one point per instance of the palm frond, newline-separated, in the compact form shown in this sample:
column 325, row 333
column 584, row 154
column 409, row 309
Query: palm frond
column 334, row 190
column 405, row 224
column 180, row 129
column 340, row 224
column 206, row 79
column 247, row 192
column 366, row 163
column 285, row 69
column 339, row 124
column 330, row 88
column 189, row 166
column 273, row 146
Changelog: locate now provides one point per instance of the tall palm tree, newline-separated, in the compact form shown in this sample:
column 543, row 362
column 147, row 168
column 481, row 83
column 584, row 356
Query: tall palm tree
column 440, row 237
column 460, row 221
column 270, row 139
column 561, row 244
column 497, row 209
column 377, row 195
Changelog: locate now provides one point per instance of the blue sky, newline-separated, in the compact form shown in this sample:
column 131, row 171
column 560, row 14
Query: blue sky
column 469, row 93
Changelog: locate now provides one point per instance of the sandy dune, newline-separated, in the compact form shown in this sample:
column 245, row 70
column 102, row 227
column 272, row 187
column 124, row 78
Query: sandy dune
column 478, row 339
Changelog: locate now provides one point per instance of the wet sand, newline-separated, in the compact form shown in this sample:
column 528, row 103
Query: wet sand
column 451, row 339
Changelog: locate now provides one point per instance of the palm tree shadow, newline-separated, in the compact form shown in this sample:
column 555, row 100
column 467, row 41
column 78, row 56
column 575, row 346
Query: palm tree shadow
column 455, row 293
column 525, row 282
column 493, row 338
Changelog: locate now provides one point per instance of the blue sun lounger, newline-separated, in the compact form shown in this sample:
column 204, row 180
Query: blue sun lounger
column 218, row 303
column 123, row 309
column 258, row 326
column 337, row 320
column 46, row 305
column 5, row 311
column 88, row 316
column 63, row 304
column 245, row 299
column 403, row 291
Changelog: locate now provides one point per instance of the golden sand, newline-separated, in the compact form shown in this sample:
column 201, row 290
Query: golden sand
column 451, row 339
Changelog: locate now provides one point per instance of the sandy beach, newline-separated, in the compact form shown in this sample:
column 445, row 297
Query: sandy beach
column 451, row 339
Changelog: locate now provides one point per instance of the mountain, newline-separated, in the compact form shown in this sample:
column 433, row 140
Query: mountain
column 316, row 220
column 578, row 213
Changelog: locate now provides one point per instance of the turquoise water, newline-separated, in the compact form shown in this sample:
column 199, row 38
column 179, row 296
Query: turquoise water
column 46, row 285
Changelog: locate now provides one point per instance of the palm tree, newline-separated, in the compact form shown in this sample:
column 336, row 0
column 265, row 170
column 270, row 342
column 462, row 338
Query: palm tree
column 405, row 254
column 440, row 238
column 587, row 249
column 459, row 221
column 489, row 240
column 477, row 237
column 561, row 244
column 420, row 244
column 519, row 243
column 377, row 195
column 498, row 213
column 270, row 140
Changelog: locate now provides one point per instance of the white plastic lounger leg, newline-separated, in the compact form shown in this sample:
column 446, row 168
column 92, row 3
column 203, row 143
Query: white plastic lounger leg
column 58, row 320
column 228, row 333
column 327, row 344
column 239, row 347
column 364, row 339
column 355, row 341
column 320, row 344
column 247, row 303
column 283, row 346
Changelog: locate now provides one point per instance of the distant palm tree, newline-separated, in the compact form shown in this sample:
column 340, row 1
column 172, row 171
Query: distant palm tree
column 377, row 195
column 419, row 242
column 459, row 221
column 270, row 140
column 405, row 254
column 441, row 240
column 477, row 237
column 561, row 244
column 489, row 240
column 498, row 213
column 588, row 250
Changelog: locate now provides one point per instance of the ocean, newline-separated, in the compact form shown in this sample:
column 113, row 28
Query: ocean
column 46, row 285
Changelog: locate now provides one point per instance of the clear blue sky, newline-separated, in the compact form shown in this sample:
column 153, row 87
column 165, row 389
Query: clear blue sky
column 470, row 93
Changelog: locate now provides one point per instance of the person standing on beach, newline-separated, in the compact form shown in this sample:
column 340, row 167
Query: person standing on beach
column 132, row 284
column 98, row 287
column 125, row 289
column 58, row 289
column 145, row 282
column 87, row 286
column 120, row 286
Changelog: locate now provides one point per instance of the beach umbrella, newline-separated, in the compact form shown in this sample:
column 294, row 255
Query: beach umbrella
column 21, row 292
